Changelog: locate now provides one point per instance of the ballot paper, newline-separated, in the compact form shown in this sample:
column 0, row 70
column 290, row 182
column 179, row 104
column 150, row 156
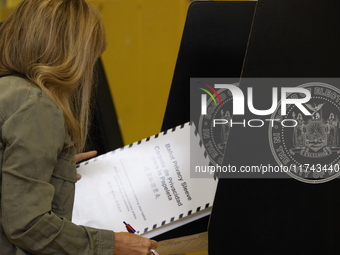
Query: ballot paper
column 146, row 184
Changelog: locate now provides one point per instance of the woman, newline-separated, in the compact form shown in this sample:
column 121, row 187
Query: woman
column 48, row 49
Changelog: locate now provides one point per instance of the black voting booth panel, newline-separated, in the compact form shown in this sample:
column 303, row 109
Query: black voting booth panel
column 104, row 132
column 213, row 45
column 280, row 216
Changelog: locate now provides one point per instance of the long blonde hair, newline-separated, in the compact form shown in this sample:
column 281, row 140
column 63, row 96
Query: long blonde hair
column 55, row 44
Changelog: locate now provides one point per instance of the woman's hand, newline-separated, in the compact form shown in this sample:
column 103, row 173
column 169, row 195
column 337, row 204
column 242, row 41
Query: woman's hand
column 130, row 244
column 83, row 156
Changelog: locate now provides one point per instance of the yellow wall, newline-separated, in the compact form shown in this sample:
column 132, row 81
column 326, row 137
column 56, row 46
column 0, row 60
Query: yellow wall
column 143, row 41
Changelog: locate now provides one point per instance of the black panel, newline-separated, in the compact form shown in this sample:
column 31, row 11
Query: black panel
column 213, row 45
column 280, row 216
column 104, row 134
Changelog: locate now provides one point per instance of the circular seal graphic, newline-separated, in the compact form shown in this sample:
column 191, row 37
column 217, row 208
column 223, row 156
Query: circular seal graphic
column 215, row 137
column 309, row 146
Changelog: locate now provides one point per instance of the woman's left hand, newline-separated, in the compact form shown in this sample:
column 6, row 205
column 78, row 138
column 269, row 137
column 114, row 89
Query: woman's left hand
column 83, row 156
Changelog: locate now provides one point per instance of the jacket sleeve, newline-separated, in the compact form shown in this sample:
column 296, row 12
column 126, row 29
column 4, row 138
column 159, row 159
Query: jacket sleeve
column 33, row 137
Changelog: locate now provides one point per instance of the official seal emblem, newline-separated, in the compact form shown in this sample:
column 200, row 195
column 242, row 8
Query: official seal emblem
column 310, row 147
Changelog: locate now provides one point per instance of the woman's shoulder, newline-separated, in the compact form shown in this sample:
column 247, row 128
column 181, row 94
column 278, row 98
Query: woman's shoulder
column 15, row 87
column 16, row 92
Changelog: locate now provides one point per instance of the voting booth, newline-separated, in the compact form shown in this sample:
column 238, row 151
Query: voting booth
column 285, row 43
column 282, row 39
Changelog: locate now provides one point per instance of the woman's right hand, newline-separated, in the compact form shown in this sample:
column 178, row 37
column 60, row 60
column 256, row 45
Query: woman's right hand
column 130, row 244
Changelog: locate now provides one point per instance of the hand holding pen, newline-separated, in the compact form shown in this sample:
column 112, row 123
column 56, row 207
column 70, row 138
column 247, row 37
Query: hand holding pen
column 131, row 230
column 127, row 244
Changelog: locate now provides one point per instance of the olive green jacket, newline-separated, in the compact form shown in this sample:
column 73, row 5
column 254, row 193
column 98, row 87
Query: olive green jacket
column 38, row 178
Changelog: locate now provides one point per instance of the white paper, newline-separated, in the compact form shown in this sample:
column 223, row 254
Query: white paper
column 146, row 184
